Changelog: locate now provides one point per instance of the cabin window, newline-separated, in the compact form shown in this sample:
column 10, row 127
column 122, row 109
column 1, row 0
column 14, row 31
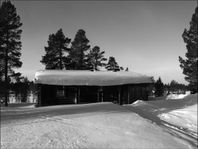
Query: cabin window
column 60, row 92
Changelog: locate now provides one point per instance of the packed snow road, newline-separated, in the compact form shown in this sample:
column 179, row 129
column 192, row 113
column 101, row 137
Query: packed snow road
column 99, row 125
column 18, row 112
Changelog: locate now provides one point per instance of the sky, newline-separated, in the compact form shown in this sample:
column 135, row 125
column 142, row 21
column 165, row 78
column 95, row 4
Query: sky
column 145, row 36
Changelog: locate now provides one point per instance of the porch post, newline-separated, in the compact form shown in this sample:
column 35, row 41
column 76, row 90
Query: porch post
column 78, row 98
column 119, row 95
column 39, row 95
column 98, row 94
column 102, row 93
column 128, row 94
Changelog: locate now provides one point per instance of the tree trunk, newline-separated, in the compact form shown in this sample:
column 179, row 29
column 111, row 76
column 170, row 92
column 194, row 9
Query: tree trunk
column 61, row 61
column 6, row 73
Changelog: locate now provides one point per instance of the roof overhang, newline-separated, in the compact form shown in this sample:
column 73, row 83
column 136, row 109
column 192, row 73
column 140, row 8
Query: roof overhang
column 90, row 78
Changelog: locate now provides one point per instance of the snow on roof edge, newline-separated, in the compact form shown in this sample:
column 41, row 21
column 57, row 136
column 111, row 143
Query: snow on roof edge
column 89, row 78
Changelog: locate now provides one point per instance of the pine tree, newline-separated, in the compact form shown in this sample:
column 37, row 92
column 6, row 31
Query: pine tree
column 55, row 51
column 121, row 68
column 112, row 65
column 21, row 88
column 127, row 69
column 190, row 65
column 95, row 58
column 173, row 86
column 24, row 89
column 159, row 88
column 77, row 54
column 10, row 44
column 176, row 87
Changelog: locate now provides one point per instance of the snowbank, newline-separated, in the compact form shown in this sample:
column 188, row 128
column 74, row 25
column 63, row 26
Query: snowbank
column 185, row 117
column 138, row 102
column 179, row 117
column 177, row 96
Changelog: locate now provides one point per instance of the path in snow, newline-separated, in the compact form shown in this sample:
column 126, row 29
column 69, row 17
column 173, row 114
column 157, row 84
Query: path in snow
column 101, row 125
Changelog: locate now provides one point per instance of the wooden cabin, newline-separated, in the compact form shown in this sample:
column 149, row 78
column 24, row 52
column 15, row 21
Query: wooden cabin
column 79, row 86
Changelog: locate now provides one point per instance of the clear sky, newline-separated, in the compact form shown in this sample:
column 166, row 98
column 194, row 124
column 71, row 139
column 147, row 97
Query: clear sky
column 145, row 36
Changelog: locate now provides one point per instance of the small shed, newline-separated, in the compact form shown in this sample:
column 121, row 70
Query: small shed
column 79, row 86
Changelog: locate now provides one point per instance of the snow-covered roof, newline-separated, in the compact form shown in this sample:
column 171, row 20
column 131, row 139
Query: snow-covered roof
column 89, row 78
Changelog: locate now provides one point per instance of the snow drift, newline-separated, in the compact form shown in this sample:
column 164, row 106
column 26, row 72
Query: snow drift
column 177, row 96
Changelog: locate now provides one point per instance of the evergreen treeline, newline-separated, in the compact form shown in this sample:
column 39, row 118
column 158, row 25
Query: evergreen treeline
column 20, row 87
column 62, row 53
column 175, row 87
column 159, row 88
column 162, row 89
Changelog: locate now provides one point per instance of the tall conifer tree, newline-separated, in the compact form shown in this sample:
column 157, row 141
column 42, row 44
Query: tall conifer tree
column 95, row 58
column 55, row 57
column 159, row 88
column 77, row 55
column 10, row 44
column 190, row 65
column 112, row 65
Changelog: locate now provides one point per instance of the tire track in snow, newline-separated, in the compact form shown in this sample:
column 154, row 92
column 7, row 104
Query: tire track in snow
column 177, row 131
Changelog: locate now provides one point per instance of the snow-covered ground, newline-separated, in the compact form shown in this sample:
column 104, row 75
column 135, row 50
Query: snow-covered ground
column 185, row 117
column 179, row 116
column 146, row 125
column 177, row 96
